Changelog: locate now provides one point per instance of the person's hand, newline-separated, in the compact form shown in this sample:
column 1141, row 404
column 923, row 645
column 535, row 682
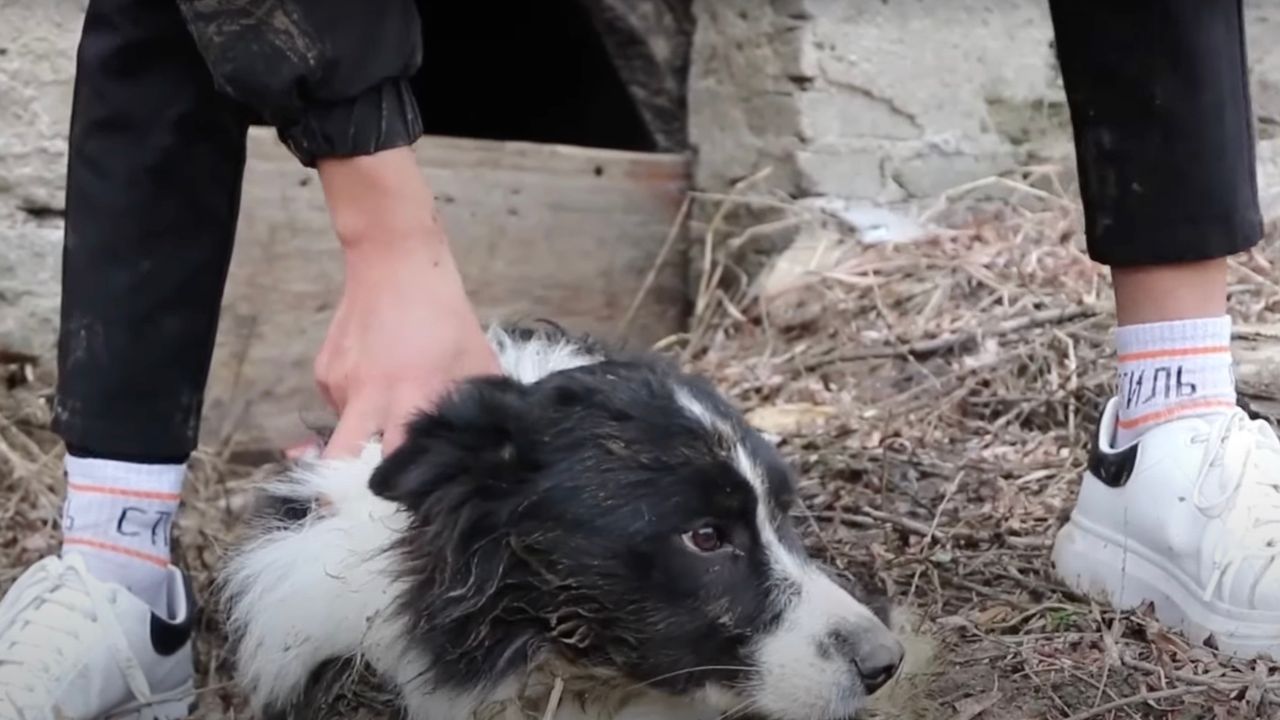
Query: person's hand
column 404, row 331
column 402, row 334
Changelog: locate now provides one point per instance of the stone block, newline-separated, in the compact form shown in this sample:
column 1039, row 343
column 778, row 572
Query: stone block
column 30, row 267
column 935, row 168
column 842, row 172
column 37, row 61
column 851, row 114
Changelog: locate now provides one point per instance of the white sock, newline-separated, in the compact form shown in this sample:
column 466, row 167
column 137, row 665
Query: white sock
column 1172, row 370
column 118, row 517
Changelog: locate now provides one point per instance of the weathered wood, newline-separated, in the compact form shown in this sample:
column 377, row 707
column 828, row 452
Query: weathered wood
column 552, row 231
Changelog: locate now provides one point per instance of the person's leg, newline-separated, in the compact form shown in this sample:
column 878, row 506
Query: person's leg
column 153, row 188
column 1159, row 100
column 1160, row 104
column 155, row 167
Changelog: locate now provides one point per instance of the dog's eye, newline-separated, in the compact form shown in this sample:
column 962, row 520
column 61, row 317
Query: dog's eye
column 705, row 539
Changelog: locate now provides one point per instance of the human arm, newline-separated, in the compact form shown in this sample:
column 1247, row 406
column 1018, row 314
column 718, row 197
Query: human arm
column 332, row 77
column 404, row 330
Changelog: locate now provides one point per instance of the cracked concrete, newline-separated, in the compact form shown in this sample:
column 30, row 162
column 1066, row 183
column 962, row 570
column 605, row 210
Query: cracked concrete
column 891, row 101
column 37, row 59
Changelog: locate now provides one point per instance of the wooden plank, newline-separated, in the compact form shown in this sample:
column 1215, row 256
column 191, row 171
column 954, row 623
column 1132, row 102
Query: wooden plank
column 561, row 232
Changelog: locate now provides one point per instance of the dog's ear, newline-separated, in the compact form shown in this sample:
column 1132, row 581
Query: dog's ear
column 481, row 434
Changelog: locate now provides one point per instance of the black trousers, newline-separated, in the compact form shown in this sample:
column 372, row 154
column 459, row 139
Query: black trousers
column 1157, row 91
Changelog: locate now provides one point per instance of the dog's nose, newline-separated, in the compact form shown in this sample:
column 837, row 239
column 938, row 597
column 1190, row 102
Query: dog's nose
column 875, row 654
column 878, row 663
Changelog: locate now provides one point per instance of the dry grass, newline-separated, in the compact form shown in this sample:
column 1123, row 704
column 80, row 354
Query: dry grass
column 937, row 398
column 31, row 493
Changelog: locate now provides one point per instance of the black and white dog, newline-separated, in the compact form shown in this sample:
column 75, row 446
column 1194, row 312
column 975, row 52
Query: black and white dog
column 601, row 529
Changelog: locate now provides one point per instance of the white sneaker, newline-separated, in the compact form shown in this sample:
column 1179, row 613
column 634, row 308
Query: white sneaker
column 75, row 648
column 1188, row 518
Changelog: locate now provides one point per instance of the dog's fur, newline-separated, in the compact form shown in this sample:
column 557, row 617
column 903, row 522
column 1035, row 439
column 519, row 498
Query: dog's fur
column 604, row 525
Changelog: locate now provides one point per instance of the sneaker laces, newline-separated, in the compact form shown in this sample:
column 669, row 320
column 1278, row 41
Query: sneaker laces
column 46, row 628
column 1249, row 500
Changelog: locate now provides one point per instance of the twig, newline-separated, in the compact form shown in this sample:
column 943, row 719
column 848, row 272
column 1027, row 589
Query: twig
column 971, row 708
column 713, row 265
column 1191, row 678
column 937, row 516
column 1146, row 697
column 673, row 234
column 708, row 250
column 553, row 703
column 916, row 527
column 949, row 340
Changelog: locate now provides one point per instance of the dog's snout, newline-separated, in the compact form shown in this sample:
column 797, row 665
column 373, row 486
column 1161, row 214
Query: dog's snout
column 878, row 664
column 875, row 655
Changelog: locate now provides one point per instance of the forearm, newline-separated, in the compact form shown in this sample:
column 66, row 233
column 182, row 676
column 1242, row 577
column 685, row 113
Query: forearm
column 404, row 331
column 381, row 202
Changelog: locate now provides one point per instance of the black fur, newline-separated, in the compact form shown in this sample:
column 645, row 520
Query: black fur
column 549, row 518
column 551, row 515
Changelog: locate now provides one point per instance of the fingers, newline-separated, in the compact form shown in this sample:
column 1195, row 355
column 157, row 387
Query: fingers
column 357, row 426
column 392, row 437
column 362, row 418
column 330, row 390
column 299, row 450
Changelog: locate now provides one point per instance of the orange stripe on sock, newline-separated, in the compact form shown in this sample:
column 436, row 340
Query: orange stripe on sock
column 118, row 549
column 1174, row 411
column 1174, row 353
column 122, row 492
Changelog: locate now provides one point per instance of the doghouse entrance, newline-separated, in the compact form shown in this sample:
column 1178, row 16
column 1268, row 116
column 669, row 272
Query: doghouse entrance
column 591, row 73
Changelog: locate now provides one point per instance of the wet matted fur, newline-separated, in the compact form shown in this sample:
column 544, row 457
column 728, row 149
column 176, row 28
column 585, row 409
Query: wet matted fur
column 598, row 524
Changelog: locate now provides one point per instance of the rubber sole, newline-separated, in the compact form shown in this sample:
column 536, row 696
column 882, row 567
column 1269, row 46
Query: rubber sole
column 177, row 705
column 1125, row 575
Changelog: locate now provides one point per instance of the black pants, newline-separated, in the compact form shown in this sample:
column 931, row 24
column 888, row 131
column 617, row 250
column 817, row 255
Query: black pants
column 1157, row 91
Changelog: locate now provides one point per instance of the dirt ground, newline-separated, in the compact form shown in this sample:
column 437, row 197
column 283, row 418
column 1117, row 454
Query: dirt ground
column 937, row 397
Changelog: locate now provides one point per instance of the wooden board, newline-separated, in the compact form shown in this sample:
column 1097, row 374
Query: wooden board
column 560, row 232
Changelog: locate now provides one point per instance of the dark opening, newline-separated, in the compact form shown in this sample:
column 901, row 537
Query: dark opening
column 519, row 70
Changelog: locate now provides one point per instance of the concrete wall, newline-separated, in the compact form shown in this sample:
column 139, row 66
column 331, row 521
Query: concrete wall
column 891, row 100
column 37, row 43
column 37, row 47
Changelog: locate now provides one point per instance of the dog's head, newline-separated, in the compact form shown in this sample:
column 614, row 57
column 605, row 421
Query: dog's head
column 625, row 518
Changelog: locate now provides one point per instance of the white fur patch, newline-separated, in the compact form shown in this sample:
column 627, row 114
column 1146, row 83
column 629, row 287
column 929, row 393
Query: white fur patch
column 797, row 680
column 317, row 590
column 529, row 361
column 700, row 412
